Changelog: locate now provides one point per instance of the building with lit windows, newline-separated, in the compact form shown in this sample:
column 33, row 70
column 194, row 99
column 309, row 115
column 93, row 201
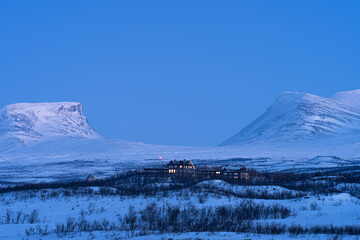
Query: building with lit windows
column 182, row 168
column 185, row 168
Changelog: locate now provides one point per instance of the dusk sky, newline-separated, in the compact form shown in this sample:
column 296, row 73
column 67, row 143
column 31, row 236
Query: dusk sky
column 175, row 72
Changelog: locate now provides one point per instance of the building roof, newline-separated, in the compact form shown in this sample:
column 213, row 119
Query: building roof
column 90, row 178
column 181, row 162
column 326, row 177
column 234, row 168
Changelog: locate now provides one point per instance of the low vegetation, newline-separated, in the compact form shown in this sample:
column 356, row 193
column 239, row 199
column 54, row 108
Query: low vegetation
column 245, row 216
column 159, row 219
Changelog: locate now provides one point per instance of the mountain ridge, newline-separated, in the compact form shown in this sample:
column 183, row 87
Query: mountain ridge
column 350, row 98
column 298, row 117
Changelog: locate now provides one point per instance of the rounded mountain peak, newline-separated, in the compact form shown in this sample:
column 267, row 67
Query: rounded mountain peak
column 297, row 117
column 349, row 98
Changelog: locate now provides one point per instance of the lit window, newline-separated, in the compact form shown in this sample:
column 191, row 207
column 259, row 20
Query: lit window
column 236, row 173
column 217, row 172
column 180, row 166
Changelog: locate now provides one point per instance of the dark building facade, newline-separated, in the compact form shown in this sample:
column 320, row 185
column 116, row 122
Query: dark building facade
column 185, row 168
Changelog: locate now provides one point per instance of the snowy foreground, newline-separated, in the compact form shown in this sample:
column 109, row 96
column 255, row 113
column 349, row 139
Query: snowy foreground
column 108, row 214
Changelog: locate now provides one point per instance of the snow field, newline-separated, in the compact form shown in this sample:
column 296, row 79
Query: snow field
column 337, row 209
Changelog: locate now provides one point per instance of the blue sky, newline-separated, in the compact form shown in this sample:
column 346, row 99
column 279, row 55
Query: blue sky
column 175, row 72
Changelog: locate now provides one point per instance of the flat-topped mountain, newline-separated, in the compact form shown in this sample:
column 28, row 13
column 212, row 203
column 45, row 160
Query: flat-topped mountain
column 27, row 123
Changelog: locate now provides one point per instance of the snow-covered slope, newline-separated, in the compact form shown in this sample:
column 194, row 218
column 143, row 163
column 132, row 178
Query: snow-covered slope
column 300, row 117
column 350, row 98
column 24, row 124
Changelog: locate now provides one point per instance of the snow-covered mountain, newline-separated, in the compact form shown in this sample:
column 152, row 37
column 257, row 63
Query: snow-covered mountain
column 53, row 141
column 24, row 124
column 350, row 98
column 300, row 117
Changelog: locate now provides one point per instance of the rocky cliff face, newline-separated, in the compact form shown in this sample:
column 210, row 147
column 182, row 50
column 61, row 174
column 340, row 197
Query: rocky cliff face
column 27, row 123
